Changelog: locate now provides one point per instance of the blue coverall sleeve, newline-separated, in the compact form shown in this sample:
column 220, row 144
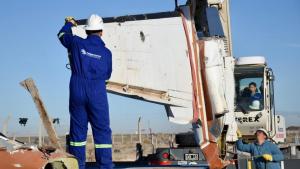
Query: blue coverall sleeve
column 65, row 35
column 276, row 153
column 109, row 66
column 243, row 147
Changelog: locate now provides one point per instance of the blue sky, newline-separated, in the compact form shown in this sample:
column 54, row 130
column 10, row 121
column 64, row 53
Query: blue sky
column 29, row 48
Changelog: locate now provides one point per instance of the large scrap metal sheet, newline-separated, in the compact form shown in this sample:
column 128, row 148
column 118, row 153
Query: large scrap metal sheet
column 161, row 60
column 150, row 62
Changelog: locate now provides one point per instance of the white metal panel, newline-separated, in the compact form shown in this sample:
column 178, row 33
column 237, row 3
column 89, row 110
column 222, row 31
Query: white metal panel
column 150, row 63
column 150, row 56
column 253, row 60
column 215, row 1
column 214, row 69
column 180, row 115
column 219, row 69
column 230, row 95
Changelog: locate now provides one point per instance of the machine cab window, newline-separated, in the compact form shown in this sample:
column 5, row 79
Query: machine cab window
column 249, row 88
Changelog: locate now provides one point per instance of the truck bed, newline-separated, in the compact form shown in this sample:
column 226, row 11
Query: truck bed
column 288, row 163
column 134, row 165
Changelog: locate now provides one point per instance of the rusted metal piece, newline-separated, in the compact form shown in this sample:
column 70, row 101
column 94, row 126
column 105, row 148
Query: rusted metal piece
column 211, row 153
column 201, row 101
column 14, row 154
column 29, row 159
column 29, row 85
column 199, row 110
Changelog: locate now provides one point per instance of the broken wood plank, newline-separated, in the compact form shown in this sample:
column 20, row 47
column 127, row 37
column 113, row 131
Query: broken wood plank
column 29, row 85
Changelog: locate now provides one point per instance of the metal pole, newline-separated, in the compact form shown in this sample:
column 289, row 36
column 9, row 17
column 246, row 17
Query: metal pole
column 282, row 164
column 5, row 124
column 43, row 137
column 176, row 4
column 249, row 164
column 152, row 143
column 139, row 129
column 40, row 134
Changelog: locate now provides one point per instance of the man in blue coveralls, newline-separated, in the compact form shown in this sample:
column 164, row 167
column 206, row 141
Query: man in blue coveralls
column 266, row 154
column 91, row 65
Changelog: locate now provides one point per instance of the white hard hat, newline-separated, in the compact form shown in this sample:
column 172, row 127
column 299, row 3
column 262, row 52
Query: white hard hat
column 255, row 105
column 94, row 23
column 263, row 130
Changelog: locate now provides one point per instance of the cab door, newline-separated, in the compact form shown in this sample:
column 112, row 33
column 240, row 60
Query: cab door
column 271, row 102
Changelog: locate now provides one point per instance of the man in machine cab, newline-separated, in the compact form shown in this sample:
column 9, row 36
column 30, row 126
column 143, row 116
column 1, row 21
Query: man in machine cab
column 251, row 99
column 255, row 98
column 254, row 95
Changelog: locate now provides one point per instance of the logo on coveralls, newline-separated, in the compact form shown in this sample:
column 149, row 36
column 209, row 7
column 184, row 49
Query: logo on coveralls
column 84, row 52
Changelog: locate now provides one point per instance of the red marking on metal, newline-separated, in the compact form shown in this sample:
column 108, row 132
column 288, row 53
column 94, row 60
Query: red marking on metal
column 156, row 162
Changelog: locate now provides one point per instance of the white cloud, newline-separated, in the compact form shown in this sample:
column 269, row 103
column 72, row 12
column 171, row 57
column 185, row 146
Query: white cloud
column 294, row 45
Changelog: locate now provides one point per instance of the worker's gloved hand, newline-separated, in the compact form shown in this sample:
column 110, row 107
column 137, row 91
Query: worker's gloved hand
column 71, row 19
column 267, row 157
column 238, row 133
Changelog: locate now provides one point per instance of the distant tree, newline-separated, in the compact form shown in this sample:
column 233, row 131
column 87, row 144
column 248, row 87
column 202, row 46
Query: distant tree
column 55, row 120
column 23, row 121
